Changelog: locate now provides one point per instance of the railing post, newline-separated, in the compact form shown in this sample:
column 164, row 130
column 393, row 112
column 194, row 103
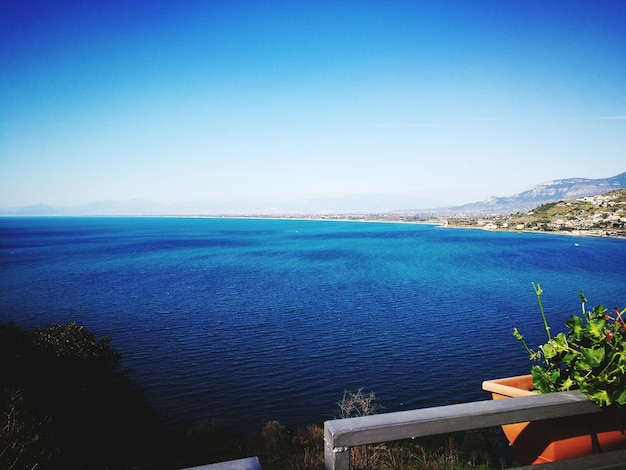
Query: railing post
column 335, row 458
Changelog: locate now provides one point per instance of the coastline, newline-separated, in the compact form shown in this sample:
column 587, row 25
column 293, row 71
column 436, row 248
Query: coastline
column 356, row 217
column 569, row 233
column 445, row 223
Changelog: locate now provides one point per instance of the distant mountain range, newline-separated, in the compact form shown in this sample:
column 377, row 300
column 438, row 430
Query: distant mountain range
column 551, row 191
column 370, row 203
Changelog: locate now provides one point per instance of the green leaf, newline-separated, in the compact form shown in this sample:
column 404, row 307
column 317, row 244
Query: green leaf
column 596, row 328
column 601, row 397
column 548, row 350
column 559, row 342
column 567, row 384
column 570, row 357
column 598, row 312
column 542, row 380
column 593, row 357
column 582, row 366
column 575, row 325
column 621, row 398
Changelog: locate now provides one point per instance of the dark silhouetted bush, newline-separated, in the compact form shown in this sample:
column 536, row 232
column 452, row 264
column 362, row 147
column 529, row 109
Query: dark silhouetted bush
column 66, row 403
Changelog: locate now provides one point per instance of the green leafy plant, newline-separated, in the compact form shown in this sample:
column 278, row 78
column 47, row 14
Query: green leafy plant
column 590, row 356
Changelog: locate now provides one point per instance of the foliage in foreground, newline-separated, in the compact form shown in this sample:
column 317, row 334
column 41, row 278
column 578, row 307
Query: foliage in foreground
column 280, row 448
column 66, row 403
column 589, row 356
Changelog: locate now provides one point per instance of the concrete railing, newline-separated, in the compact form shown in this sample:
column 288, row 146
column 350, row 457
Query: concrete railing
column 342, row 434
column 251, row 463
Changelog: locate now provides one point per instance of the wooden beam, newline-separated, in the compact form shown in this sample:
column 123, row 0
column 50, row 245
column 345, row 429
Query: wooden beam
column 251, row 463
column 344, row 433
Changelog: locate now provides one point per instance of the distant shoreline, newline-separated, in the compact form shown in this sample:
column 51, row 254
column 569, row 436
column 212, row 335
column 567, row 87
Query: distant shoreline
column 371, row 218
column 316, row 217
column 569, row 233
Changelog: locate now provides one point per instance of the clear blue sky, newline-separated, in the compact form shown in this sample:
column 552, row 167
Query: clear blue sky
column 172, row 101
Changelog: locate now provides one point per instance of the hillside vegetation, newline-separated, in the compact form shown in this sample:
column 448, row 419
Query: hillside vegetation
column 603, row 215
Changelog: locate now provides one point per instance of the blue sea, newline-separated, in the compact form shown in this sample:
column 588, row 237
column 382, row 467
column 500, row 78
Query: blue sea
column 242, row 321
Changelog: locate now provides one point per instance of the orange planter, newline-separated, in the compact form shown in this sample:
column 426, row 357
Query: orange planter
column 555, row 439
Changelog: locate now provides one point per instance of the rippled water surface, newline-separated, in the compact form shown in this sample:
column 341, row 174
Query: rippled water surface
column 247, row 320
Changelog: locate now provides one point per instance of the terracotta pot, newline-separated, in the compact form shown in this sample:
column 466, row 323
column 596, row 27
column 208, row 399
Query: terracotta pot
column 555, row 439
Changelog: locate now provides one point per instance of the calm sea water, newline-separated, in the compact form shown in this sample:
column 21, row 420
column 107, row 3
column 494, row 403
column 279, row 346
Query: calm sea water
column 246, row 320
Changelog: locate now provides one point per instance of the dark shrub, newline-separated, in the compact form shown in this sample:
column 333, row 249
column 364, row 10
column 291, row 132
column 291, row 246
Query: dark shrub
column 68, row 389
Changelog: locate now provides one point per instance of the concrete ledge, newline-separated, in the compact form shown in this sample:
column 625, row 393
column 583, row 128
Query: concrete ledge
column 251, row 463
column 341, row 434
column 387, row 427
